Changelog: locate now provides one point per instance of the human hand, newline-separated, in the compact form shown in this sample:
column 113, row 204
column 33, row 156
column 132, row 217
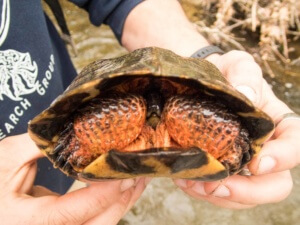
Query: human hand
column 271, row 180
column 23, row 203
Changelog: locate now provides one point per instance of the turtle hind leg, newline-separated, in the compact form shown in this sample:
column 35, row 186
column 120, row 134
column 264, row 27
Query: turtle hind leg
column 61, row 153
column 57, row 150
column 247, row 156
column 60, row 147
column 243, row 142
column 65, row 136
column 232, row 162
column 239, row 155
column 192, row 121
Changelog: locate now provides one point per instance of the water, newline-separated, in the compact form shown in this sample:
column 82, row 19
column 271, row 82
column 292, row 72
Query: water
column 162, row 203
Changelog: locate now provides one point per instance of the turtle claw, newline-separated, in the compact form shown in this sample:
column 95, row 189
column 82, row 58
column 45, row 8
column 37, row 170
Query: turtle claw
column 60, row 161
column 57, row 150
column 245, row 172
column 67, row 167
column 246, row 158
column 61, row 153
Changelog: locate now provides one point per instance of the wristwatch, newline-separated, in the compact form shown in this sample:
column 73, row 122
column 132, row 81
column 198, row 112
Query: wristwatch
column 206, row 51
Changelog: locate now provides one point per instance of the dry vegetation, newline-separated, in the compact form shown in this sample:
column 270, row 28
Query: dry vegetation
column 273, row 25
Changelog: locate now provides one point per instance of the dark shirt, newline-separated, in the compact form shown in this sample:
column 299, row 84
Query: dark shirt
column 35, row 66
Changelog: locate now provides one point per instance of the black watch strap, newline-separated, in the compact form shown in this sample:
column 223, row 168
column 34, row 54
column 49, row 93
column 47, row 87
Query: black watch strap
column 206, row 51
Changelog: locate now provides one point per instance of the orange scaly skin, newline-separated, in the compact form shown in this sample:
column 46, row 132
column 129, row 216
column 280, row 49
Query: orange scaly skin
column 119, row 122
column 196, row 122
column 105, row 124
column 150, row 138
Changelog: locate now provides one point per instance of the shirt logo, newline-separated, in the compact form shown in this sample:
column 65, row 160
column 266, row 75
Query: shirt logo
column 21, row 80
column 18, row 75
column 5, row 20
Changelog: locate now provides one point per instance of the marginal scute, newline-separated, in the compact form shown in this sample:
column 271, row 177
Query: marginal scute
column 148, row 65
column 156, row 162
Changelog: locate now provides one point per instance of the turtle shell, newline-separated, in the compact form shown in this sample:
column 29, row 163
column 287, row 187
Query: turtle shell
column 149, row 65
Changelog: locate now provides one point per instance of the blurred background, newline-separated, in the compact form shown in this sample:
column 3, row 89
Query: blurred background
column 270, row 31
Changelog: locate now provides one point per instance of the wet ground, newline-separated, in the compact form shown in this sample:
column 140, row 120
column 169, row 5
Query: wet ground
column 162, row 203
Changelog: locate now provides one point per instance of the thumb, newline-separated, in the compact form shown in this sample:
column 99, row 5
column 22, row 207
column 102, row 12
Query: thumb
column 22, row 146
column 248, row 91
column 80, row 206
column 240, row 69
column 17, row 169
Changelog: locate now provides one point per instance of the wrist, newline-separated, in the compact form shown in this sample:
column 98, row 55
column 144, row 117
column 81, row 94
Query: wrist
column 170, row 30
column 188, row 43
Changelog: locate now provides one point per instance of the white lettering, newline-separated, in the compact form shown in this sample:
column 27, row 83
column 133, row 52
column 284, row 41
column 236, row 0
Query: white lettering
column 2, row 135
column 51, row 67
column 45, row 82
column 13, row 118
column 18, row 111
column 52, row 58
column 48, row 75
column 8, row 127
column 25, row 104
column 40, row 89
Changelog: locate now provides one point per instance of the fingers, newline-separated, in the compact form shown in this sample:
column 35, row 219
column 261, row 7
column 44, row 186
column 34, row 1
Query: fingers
column 253, row 190
column 79, row 206
column 114, row 213
column 20, row 145
column 272, row 105
column 244, row 192
column 25, row 178
column 224, row 203
column 281, row 153
column 18, row 155
column 243, row 73
column 73, row 208
column 138, row 193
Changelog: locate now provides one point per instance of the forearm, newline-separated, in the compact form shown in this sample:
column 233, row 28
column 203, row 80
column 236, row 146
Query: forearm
column 146, row 26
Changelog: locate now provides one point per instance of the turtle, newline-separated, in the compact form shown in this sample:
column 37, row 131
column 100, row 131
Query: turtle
column 150, row 113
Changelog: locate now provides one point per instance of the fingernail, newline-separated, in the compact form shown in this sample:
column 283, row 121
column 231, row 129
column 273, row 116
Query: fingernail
column 266, row 164
column 181, row 183
column 199, row 188
column 221, row 191
column 147, row 180
column 247, row 91
column 127, row 184
column 190, row 183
